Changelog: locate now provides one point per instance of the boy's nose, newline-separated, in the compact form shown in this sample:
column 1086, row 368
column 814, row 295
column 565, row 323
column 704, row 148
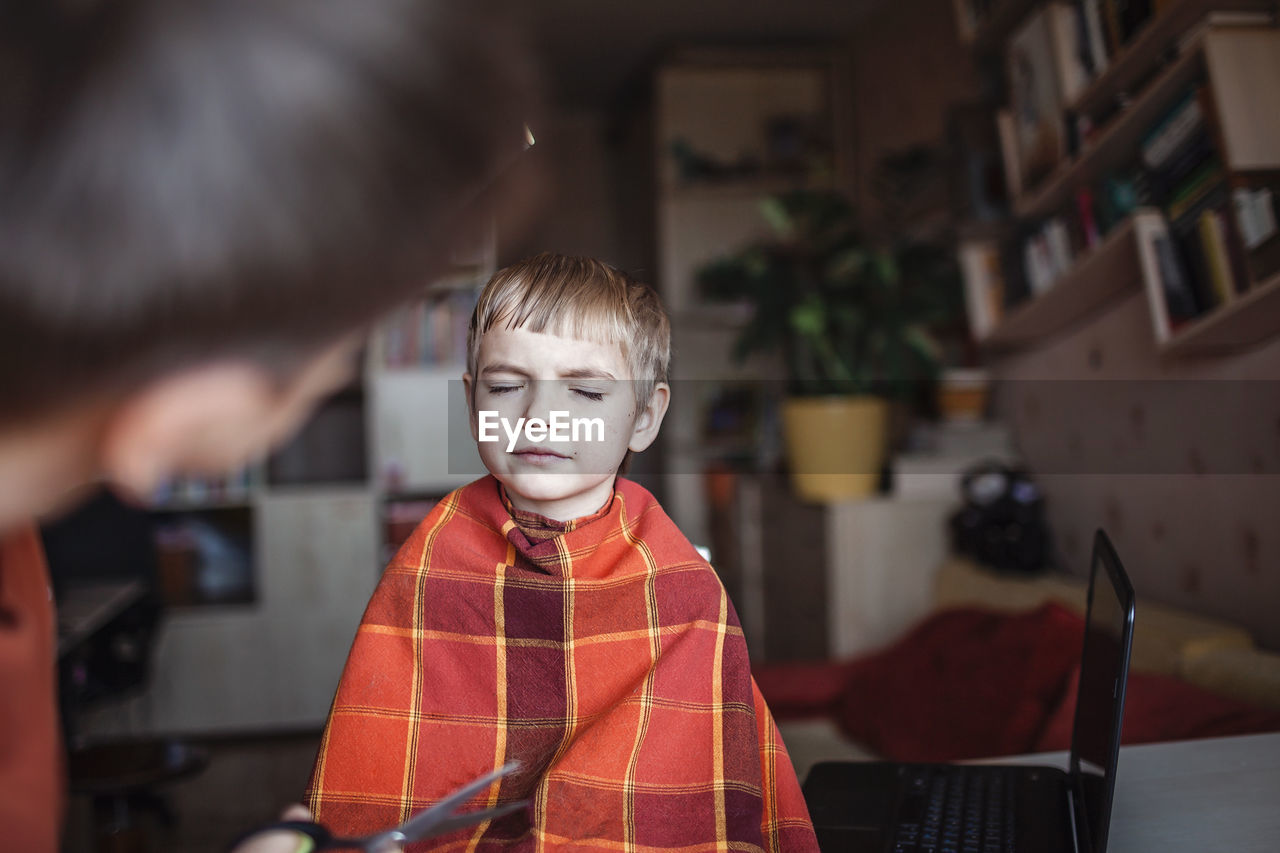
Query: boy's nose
column 541, row 399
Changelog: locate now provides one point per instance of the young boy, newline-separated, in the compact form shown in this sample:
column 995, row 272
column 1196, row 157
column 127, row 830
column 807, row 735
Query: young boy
column 551, row 613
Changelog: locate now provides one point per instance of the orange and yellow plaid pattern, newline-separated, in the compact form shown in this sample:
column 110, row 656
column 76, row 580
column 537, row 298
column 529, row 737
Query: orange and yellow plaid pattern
column 602, row 654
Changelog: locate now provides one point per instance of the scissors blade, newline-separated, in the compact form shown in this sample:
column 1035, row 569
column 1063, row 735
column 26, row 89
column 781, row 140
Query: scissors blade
column 458, row 821
column 428, row 821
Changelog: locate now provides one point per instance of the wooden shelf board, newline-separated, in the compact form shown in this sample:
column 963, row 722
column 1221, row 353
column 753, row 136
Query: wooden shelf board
column 1162, row 33
column 1117, row 143
column 1250, row 318
column 1108, row 271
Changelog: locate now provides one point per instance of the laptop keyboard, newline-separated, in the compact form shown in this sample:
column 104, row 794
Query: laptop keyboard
column 956, row 810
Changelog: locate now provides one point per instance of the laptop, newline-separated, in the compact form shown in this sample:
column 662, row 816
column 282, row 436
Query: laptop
column 892, row 807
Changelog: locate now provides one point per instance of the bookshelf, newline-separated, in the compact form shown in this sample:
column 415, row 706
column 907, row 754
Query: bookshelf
column 1104, row 274
column 1114, row 144
column 1131, row 66
column 1250, row 319
column 1224, row 56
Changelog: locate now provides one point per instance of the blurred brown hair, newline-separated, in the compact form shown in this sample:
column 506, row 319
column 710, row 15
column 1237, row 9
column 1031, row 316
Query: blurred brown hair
column 192, row 179
column 580, row 298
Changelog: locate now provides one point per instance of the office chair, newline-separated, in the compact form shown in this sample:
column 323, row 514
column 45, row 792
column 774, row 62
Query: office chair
column 107, row 540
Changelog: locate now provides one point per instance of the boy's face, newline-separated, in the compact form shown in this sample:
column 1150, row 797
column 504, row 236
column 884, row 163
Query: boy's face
column 523, row 374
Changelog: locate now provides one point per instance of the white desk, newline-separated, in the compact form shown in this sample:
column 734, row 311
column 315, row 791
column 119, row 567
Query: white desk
column 1217, row 794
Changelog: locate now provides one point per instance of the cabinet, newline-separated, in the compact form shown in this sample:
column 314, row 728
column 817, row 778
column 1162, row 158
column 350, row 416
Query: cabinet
column 813, row 582
column 731, row 128
column 1170, row 188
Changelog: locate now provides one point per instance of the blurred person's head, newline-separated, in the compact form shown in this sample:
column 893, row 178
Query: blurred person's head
column 203, row 203
column 564, row 339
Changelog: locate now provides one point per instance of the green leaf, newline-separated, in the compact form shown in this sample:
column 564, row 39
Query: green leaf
column 774, row 210
column 807, row 318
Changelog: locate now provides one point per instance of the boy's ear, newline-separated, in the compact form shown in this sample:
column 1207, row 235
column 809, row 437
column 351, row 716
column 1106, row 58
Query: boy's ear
column 468, row 386
column 649, row 419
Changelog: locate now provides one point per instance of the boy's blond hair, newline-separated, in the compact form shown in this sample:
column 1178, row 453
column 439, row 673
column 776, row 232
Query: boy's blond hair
column 579, row 298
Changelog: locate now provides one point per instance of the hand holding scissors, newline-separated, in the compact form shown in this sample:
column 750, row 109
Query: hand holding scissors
column 428, row 823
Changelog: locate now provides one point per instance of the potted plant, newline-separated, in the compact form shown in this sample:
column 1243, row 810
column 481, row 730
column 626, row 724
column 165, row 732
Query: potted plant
column 852, row 321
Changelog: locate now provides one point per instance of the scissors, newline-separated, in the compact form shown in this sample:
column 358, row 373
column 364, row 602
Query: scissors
column 428, row 823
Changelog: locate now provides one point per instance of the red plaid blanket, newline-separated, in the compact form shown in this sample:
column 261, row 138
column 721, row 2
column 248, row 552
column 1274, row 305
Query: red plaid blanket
column 605, row 656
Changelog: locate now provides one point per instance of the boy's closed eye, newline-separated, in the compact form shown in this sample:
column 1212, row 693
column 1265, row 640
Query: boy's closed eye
column 504, row 387
column 593, row 394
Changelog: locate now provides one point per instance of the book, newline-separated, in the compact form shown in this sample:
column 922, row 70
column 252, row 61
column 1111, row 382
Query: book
column 1168, row 294
column 1064, row 30
column 1111, row 25
column 1009, row 153
column 1091, row 11
column 1198, row 185
column 1186, row 233
column 1164, row 139
column 1235, row 247
column 1036, row 97
column 1087, row 217
column 1179, row 292
column 1048, row 253
column 1213, row 240
column 1195, row 262
column 976, row 149
column 1255, row 216
column 1058, row 242
column 1165, row 179
column 980, row 265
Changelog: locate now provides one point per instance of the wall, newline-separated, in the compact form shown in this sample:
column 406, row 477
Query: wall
column 275, row 664
column 908, row 69
column 576, row 211
column 1178, row 460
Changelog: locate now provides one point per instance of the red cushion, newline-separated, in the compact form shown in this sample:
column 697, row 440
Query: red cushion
column 965, row 683
column 800, row 690
column 1160, row 708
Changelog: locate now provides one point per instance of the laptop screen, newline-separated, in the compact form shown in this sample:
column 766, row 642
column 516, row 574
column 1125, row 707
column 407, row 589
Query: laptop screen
column 1104, row 667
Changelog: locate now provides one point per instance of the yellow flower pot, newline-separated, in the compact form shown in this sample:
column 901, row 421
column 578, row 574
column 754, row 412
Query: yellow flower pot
column 835, row 445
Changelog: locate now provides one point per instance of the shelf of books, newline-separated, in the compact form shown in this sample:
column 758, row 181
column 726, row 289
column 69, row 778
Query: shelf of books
column 1176, row 193
column 1123, row 68
column 429, row 332
column 1102, row 274
column 1107, row 156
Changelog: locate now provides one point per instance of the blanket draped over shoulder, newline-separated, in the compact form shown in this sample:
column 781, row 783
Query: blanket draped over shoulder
column 602, row 653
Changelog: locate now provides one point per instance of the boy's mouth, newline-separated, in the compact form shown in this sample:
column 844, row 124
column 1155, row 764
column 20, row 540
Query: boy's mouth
column 539, row 455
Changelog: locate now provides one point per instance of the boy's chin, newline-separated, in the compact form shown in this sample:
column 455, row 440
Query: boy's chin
column 543, row 487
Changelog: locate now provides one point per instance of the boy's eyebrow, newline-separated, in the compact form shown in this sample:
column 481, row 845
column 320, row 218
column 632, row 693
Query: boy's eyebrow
column 587, row 373
column 504, row 368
